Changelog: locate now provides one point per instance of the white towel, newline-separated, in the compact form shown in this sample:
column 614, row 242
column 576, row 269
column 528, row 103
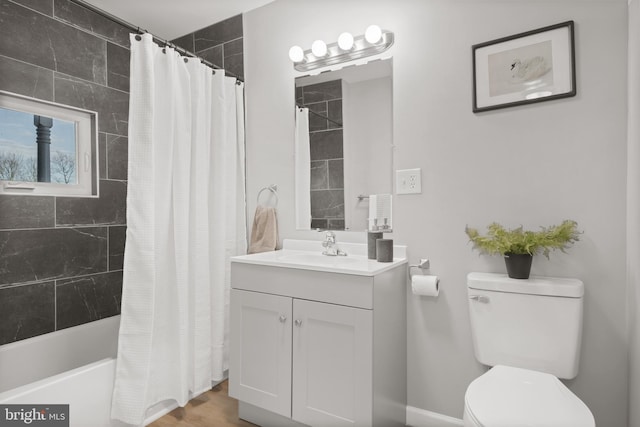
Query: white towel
column 264, row 233
column 380, row 212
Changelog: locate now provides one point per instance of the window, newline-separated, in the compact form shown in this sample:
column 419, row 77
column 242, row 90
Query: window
column 47, row 148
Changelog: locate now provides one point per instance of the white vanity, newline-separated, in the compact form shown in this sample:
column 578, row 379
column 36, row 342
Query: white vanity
column 319, row 340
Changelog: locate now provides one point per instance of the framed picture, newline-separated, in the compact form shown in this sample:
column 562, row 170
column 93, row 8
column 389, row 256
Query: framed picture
column 535, row 66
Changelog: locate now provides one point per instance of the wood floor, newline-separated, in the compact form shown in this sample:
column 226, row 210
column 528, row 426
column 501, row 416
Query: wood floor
column 211, row 409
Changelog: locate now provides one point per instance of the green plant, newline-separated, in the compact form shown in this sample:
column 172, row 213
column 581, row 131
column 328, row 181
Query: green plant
column 499, row 241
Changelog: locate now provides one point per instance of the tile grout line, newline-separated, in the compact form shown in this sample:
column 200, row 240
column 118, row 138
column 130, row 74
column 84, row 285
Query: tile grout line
column 108, row 242
column 55, row 305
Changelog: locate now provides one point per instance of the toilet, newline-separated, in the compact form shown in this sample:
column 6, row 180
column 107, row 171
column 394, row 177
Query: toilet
column 530, row 332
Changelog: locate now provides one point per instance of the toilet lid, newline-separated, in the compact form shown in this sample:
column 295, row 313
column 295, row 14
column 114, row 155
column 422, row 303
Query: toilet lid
column 516, row 397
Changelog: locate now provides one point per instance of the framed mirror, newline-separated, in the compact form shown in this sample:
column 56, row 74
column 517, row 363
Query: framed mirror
column 345, row 119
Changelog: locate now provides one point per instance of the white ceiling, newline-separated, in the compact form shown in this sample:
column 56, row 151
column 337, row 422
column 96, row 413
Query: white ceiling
column 169, row 19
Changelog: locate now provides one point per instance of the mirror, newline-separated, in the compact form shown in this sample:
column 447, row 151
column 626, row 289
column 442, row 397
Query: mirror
column 350, row 142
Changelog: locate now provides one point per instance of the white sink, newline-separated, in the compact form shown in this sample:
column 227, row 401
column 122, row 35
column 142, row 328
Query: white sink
column 307, row 255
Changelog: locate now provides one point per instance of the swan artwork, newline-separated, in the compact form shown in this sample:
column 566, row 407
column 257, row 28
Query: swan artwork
column 529, row 69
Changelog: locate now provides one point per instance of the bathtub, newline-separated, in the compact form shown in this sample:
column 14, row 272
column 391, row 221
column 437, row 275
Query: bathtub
column 74, row 366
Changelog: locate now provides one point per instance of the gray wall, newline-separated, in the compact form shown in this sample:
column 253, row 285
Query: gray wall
column 633, row 213
column 531, row 165
column 61, row 257
column 219, row 43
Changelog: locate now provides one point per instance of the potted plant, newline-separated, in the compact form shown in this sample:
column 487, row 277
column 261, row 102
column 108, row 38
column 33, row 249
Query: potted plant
column 518, row 246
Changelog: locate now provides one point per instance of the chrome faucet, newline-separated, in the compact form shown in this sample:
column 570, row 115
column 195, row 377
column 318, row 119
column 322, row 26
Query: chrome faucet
column 330, row 245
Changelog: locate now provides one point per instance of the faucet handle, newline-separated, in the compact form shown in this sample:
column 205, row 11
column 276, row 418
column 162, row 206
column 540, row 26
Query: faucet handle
column 330, row 236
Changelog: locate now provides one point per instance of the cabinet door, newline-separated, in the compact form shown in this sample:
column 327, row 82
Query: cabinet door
column 332, row 364
column 260, row 350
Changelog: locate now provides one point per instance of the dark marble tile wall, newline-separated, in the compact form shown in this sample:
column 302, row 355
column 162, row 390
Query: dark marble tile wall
column 220, row 43
column 327, row 158
column 61, row 257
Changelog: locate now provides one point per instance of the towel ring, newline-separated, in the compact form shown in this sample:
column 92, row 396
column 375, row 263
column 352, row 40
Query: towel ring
column 273, row 188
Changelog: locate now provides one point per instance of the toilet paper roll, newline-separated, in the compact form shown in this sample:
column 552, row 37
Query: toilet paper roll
column 425, row 285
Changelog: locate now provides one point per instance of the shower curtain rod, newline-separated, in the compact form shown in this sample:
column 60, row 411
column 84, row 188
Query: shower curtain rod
column 139, row 30
column 321, row 116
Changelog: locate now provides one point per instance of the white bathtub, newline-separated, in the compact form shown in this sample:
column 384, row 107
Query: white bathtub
column 74, row 366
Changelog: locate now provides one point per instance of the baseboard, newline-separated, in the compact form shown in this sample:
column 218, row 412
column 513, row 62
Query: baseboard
column 417, row 417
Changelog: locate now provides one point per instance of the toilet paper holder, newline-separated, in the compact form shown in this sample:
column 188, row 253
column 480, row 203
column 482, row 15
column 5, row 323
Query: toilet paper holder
column 423, row 265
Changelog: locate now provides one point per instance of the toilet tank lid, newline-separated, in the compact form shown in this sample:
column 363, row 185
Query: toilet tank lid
column 534, row 285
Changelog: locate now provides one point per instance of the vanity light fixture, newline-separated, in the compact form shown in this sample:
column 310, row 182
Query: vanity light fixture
column 373, row 34
column 345, row 41
column 319, row 48
column 374, row 41
column 296, row 54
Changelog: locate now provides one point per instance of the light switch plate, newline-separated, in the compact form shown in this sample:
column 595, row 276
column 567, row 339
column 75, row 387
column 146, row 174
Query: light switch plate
column 408, row 181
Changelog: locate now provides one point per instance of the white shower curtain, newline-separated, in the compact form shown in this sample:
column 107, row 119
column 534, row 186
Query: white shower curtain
column 185, row 218
column 302, row 170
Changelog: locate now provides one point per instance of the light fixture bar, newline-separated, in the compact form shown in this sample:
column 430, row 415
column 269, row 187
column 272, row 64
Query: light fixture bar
column 335, row 55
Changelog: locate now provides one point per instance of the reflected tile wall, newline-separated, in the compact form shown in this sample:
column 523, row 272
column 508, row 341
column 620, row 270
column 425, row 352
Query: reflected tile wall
column 62, row 254
column 327, row 147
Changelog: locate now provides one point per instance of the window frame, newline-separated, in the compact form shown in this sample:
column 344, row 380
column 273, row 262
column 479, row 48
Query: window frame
column 87, row 173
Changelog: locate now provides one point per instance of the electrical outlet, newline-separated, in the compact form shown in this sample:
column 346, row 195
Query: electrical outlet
column 408, row 181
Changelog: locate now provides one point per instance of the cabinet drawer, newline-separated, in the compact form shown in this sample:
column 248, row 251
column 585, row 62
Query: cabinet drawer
column 335, row 288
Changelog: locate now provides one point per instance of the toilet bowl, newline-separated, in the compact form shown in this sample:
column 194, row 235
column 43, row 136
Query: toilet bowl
column 513, row 397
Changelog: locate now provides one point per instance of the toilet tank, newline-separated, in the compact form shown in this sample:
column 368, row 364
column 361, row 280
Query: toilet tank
column 533, row 324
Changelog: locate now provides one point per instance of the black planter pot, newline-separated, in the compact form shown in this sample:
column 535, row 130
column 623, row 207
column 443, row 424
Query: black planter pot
column 518, row 265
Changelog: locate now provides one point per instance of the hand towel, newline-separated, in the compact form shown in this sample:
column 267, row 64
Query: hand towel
column 264, row 233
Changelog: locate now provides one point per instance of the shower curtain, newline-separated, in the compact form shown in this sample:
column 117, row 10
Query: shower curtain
column 185, row 218
column 302, row 170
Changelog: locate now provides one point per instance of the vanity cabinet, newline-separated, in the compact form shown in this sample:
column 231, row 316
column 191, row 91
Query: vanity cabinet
column 318, row 348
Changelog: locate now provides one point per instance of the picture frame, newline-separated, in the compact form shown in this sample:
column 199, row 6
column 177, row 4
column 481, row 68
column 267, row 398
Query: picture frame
column 534, row 66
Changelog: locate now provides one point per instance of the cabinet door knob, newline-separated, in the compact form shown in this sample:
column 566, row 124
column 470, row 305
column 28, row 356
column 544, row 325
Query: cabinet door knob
column 282, row 318
column 298, row 322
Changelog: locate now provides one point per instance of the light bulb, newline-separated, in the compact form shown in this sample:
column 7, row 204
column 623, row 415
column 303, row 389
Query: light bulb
column 345, row 41
column 319, row 48
column 296, row 54
column 373, row 34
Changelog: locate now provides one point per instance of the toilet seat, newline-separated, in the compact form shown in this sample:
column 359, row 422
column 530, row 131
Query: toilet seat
column 515, row 397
